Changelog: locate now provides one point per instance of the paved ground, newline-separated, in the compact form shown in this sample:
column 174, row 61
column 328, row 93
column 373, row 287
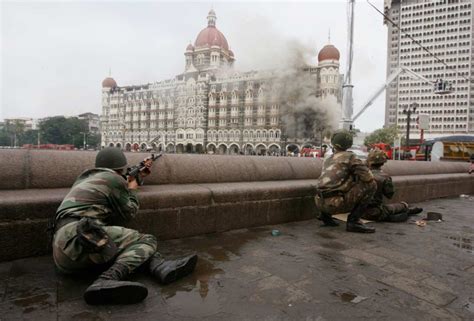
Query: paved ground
column 402, row 272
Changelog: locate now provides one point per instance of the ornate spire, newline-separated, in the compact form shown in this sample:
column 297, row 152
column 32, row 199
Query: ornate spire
column 211, row 18
column 329, row 35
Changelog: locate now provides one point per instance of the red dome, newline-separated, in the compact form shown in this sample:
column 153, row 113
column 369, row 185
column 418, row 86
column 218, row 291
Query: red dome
column 109, row 83
column 329, row 52
column 211, row 36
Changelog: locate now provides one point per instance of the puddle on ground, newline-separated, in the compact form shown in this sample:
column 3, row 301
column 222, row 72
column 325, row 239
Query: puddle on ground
column 349, row 297
column 199, row 279
column 195, row 295
column 226, row 246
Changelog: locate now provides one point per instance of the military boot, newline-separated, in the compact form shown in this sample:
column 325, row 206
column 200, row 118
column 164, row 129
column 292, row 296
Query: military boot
column 354, row 224
column 110, row 289
column 167, row 271
column 396, row 218
column 327, row 220
column 414, row 211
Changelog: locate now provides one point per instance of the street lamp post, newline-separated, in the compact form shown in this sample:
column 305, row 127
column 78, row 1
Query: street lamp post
column 409, row 111
column 84, row 141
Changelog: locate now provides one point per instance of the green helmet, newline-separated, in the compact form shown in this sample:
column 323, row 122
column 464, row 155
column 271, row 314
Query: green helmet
column 376, row 157
column 111, row 157
column 341, row 139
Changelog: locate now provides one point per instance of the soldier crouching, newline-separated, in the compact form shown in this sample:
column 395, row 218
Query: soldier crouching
column 345, row 185
column 377, row 210
column 89, row 236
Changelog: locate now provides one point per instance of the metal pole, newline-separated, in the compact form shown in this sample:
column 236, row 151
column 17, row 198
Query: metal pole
column 84, row 142
column 407, row 147
column 347, row 103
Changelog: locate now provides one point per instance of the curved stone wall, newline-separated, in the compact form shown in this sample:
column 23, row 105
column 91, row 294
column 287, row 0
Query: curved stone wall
column 23, row 169
column 56, row 169
column 403, row 168
column 192, row 194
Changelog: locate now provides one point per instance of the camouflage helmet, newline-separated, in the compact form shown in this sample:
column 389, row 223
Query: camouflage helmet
column 341, row 139
column 376, row 157
column 111, row 157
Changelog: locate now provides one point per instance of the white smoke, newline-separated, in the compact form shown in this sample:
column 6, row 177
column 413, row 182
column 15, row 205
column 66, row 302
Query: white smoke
column 306, row 115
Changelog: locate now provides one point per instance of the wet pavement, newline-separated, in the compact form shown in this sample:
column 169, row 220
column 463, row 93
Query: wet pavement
column 402, row 272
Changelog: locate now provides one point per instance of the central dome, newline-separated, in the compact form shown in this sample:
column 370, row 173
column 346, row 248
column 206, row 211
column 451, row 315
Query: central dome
column 211, row 36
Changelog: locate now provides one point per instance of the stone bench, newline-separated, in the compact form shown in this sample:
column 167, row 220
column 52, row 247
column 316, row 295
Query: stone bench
column 192, row 194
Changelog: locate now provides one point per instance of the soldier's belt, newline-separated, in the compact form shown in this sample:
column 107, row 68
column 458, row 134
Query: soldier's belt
column 327, row 194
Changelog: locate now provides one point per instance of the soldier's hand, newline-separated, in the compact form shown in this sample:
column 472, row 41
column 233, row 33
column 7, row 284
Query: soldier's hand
column 132, row 183
column 146, row 170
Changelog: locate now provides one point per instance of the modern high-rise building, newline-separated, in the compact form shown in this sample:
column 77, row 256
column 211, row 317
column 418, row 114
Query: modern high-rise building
column 444, row 27
column 210, row 107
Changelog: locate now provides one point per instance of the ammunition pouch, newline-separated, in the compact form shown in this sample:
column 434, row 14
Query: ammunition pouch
column 93, row 238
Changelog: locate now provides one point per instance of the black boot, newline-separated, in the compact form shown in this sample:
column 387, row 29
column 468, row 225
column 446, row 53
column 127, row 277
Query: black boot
column 167, row 271
column 327, row 220
column 396, row 218
column 414, row 211
column 109, row 289
column 354, row 224
column 359, row 227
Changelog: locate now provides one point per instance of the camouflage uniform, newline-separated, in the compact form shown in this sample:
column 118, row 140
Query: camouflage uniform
column 102, row 195
column 345, row 183
column 377, row 210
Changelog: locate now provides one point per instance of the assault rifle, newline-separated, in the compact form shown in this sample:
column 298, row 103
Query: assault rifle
column 134, row 171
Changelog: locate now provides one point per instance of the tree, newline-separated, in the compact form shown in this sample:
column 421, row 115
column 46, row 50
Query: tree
column 61, row 130
column 4, row 138
column 385, row 135
column 29, row 137
column 93, row 140
column 14, row 130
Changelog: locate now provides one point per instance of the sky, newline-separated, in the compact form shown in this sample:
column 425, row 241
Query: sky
column 54, row 55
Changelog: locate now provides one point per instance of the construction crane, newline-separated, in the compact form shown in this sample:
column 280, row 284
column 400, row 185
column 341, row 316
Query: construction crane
column 440, row 87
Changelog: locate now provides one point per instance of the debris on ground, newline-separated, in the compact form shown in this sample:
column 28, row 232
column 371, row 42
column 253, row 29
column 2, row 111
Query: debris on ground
column 276, row 233
column 433, row 216
column 420, row 223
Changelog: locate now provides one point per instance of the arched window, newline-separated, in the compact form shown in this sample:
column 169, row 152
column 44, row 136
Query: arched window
column 200, row 59
column 248, row 94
